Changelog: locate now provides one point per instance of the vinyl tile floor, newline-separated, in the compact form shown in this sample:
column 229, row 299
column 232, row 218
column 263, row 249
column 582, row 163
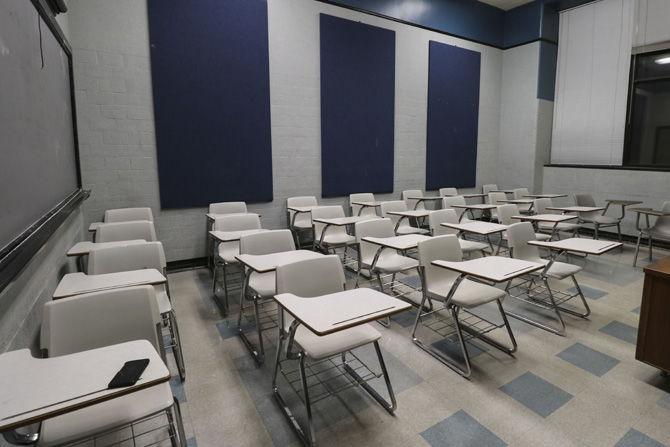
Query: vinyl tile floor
column 583, row 389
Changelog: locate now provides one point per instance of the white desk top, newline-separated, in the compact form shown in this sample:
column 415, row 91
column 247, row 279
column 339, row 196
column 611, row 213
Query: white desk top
column 404, row 242
column 492, row 268
column 546, row 217
column 270, row 262
column 506, row 191
column 579, row 245
column 343, row 221
column 623, row 202
column 33, row 389
column 546, row 196
column 85, row 247
column 373, row 203
column 576, row 209
column 410, row 213
column 475, row 206
column 650, row 211
column 78, row 283
column 477, row 227
column 335, row 312
column 474, row 195
column 422, row 198
column 520, row 201
column 303, row 209
column 231, row 236
column 214, row 216
column 93, row 227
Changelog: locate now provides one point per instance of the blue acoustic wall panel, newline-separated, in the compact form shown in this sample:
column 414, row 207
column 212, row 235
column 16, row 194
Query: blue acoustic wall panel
column 211, row 88
column 453, row 116
column 357, row 107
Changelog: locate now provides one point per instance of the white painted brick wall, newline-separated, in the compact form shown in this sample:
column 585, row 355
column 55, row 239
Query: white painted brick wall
column 115, row 111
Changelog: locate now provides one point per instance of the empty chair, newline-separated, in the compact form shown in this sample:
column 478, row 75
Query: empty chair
column 402, row 224
column 449, row 202
column 597, row 218
column 486, row 189
column 496, row 198
column 300, row 223
column 126, row 231
column 455, row 294
column 260, row 287
column 129, row 214
column 660, row 230
column 505, row 214
column 540, row 206
column 228, row 208
column 521, row 193
column 412, row 203
column 448, row 192
column 358, row 210
column 307, row 279
column 95, row 320
column 333, row 236
column 226, row 251
column 518, row 236
column 136, row 257
column 438, row 217
column 378, row 260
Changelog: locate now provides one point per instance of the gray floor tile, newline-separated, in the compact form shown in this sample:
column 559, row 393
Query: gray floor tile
column 664, row 401
column 636, row 310
column 589, row 292
column 177, row 387
column 461, row 430
column 635, row 438
column 621, row 331
column 588, row 359
column 412, row 281
column 536, row 393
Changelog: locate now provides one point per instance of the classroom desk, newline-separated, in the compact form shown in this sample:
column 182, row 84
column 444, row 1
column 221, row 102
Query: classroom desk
column 400, row 243
column 348, row 221
column 492, row 269
column 264, row 264
column 549, row 218
column 477, row 195
column 81, row 249
column 421, row 199
column 409, row 214
column 374, row 204
column 577, row 245
column 232, row 236
column 530, row 202
column 545, row 196
column 35, row 389
column 622, row 203
column 576, row 209
column 480, row 228
column 327, row 315
column 474, row 206
column 211, row 245
column 79, row 283
column 506, row 191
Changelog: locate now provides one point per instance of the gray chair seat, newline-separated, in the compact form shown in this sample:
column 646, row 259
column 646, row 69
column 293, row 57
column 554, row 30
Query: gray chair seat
column 469, row 246
column 411, row 230
column 263, row 283
column 391, row 262
column 468, row 294
column 318, row 348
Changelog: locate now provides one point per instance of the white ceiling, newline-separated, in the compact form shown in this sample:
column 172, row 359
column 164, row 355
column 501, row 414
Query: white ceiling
column 506, row 4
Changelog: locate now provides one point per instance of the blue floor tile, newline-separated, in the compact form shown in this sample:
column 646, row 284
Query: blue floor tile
column 664, row 401
column 636, row 310
column 411, row 281
column 621, row 331
column 635, row 438
column 536, row 393
column 589, row 292
column 177, row 387
column 461, row 430
column 191, row 442
column 228, row 328
column 588, row 359
column 452, row 348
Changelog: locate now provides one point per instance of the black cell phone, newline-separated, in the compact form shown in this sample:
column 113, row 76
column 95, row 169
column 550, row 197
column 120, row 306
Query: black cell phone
column 129, row 374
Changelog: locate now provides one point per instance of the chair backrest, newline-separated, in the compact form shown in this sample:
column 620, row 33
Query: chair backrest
column 486, row 189
column 586, row 200
column 520, row 193
column 373, row 228
column 447, row 192
column 518, row 235
column 663, row 223
column 126, row 231
column 448, row 202
column 540, row 205
column 327, row 212
column 362, row 197
column 495, row 198
column 128, row 214
column 302, row 219
column 394, row 205
column 266, row 242
column 505, row 213
column 228, row 208
column 437, row 217
column 98, row 319
column 410, row 202
column 237, row 222
column 149, row 255
column 446, row 248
